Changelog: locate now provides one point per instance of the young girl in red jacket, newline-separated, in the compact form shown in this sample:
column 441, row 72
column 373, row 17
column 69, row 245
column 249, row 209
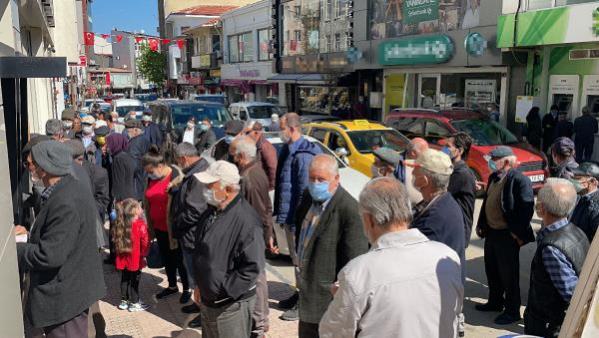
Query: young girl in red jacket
column 131, row 241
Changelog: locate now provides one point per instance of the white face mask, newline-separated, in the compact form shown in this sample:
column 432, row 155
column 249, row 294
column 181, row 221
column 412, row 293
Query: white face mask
column 211, row 198
column 67, row 124
column 190, row 125
column 120, row 120
column 87, row 130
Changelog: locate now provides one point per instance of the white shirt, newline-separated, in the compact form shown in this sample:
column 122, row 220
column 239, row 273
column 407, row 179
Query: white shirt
column 405, row 286
column 188, row 135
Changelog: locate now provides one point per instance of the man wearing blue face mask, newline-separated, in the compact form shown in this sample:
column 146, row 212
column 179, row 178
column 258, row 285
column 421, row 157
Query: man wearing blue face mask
column 328, row 235
column 207, row 136
column 504, row 222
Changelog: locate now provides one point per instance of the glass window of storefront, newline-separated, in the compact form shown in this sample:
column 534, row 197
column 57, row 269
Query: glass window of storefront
column 315, row 26
column 241, row 48
column 324, row 100
column 264, row 53
column 393, row 18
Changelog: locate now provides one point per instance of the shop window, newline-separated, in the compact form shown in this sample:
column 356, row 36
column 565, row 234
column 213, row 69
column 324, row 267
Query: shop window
column 319, row 134
column 233, row 49
column 324, row 100
column 264, row 41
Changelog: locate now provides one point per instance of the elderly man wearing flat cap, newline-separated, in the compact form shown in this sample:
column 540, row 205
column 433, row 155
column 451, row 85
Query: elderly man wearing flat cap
column 61, row 254
column 504, row 223
column 586, row 213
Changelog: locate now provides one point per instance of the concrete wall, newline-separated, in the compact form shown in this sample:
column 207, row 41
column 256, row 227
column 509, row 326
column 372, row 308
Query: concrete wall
column 66, row 36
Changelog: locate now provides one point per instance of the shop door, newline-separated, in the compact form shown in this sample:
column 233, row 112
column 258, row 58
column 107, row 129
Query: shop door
column 429, row 87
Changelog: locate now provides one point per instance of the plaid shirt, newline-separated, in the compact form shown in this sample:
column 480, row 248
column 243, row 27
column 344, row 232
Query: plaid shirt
column 47, row 192
column 560, row 269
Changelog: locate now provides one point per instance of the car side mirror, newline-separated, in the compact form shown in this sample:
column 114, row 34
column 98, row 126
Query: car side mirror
column 341, row 152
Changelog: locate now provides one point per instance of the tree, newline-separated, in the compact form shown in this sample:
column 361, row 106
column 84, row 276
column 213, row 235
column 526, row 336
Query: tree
column 151, row 65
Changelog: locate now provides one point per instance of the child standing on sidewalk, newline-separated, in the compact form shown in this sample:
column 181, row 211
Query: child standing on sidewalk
column 130, row 237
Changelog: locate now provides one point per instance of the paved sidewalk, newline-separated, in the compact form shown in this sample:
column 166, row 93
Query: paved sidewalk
column 164, row 318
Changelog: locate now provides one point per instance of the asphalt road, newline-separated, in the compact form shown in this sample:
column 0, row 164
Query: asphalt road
column 478, row 324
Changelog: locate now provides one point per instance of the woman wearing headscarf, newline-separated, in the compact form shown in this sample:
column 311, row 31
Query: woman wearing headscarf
column 563, row 156
column 123, row 168
column 534, row 128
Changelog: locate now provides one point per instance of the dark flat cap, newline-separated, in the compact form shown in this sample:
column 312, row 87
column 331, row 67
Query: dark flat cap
column 102, row 131
column 34, row 141
column 68, row 114
column 53, row 157
column 76, row 146
column 501, row 152
column 563, row 146
column 587, row 169
column 233, row 127
column 387, row 155
column 133, row 123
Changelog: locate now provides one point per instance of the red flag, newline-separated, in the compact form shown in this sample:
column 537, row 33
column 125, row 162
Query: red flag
column 119, row 38
column 138, row 39
column 108, row 79
column 104, row 36
column 180, row 43
column 88, row 38
column 153, row 44
column 166, row 41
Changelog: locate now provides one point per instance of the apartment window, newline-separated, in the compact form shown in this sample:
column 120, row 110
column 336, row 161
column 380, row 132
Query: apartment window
column 341, row 8
column 337, row 42
column 329, row 44
column 215, row 43
column 241, row 48
column 297, row 10
column 298, row 35
column 264, row 42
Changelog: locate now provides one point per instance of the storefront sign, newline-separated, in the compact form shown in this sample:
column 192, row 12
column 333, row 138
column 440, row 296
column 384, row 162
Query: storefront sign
column 413, row 51
column 479, row 91
column 475, row 44
column 416, row 11
column 249, row 73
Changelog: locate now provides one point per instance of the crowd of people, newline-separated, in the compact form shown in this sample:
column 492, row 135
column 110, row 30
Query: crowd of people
column 397, row 252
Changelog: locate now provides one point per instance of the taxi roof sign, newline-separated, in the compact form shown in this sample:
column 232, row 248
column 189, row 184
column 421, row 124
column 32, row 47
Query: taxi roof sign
column 361, row 122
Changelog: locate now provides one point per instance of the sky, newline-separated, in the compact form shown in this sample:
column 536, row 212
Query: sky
column 127, row 15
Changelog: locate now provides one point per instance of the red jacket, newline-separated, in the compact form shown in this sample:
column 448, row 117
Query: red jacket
column 140, row 243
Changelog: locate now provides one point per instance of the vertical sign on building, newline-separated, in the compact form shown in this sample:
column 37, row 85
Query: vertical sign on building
column 416, row 11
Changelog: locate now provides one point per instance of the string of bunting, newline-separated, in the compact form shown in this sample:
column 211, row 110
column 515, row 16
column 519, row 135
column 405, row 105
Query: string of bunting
column 153, row 43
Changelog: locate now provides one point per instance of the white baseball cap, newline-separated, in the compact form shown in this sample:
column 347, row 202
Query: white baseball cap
column 223, row 171
column 435, row 161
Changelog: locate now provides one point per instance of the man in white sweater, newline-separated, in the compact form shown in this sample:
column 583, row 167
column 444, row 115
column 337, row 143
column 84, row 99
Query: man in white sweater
column 405, row 286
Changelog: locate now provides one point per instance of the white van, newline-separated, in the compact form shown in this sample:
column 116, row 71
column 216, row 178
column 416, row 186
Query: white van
column 124, row 106
column 255, row 111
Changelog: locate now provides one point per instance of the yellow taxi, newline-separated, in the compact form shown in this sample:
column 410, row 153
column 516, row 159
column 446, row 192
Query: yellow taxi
column 355, row 140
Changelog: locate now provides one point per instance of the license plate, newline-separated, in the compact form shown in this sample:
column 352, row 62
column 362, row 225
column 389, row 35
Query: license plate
column 537, row 178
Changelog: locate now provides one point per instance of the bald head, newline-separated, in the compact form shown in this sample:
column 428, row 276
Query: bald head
column 557, row 197
column 386, row 200
column 326, row 162
column 416, row 147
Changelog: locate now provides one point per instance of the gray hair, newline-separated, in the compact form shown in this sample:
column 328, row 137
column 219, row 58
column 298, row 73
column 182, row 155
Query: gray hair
column 512, row 159
column 186, row 150
column 439, row 181
column 386, row 200
column 325, row 161
column 558, row 197
column 54, row 127
column 246, row 146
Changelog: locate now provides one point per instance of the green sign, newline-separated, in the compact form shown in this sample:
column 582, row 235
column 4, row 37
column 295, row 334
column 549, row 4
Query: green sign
column 416, row 11
column 419, row 50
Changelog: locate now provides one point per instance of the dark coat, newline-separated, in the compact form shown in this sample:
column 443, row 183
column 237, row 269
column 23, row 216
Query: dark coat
column 585, row 128
column 338, row 238
column 534, row 130
column 230, row 252
column 462, row 186
column 443, row 221
column 187, row 206
column 517, row 203
column 154, row 134
column 123, row 176
column 564, row 129
column 292, row 177
column 137, row 148
column 254, row 185
column 99, row 182
column 586, row 214
column 268, row 157
column 62, row 256
column 549, row 123
column 205, row 141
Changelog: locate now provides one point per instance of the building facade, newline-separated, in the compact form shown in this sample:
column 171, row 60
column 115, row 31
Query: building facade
column 204, row 43
column 247, row 53
column 124, row 56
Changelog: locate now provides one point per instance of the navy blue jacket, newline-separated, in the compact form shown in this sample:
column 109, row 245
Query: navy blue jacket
column 443, row 221
column 517, row 203
column 154, row 134
column 292, row 177
column 586, row 214
column 585, row 128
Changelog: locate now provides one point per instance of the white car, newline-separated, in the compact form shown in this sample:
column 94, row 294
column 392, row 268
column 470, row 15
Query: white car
column 352, row 180
column 86, row 106
column 124, row 106
column 254, row 111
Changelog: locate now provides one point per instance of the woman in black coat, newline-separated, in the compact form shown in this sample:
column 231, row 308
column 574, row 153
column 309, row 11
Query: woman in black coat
column 534, row 128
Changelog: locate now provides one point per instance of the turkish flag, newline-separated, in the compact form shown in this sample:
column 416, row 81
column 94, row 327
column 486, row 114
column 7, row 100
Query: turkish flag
column 153, row 44
column 166, row 41
column 88, row 38
column 104, row 36
column 138, row 39
column 180, row 43
column 119, row 38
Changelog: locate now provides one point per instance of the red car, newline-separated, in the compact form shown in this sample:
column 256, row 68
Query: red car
column 436, row 125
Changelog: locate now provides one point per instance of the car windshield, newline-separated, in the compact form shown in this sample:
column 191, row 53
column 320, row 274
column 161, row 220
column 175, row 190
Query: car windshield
column 217, row 99
column 124, row 110
column 263, row 112
column 105, row 108
column 485, row 132
column 218, row 115
column 366, row 141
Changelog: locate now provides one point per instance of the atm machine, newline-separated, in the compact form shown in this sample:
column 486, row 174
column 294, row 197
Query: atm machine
column 563, row 92
column 590, row 99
